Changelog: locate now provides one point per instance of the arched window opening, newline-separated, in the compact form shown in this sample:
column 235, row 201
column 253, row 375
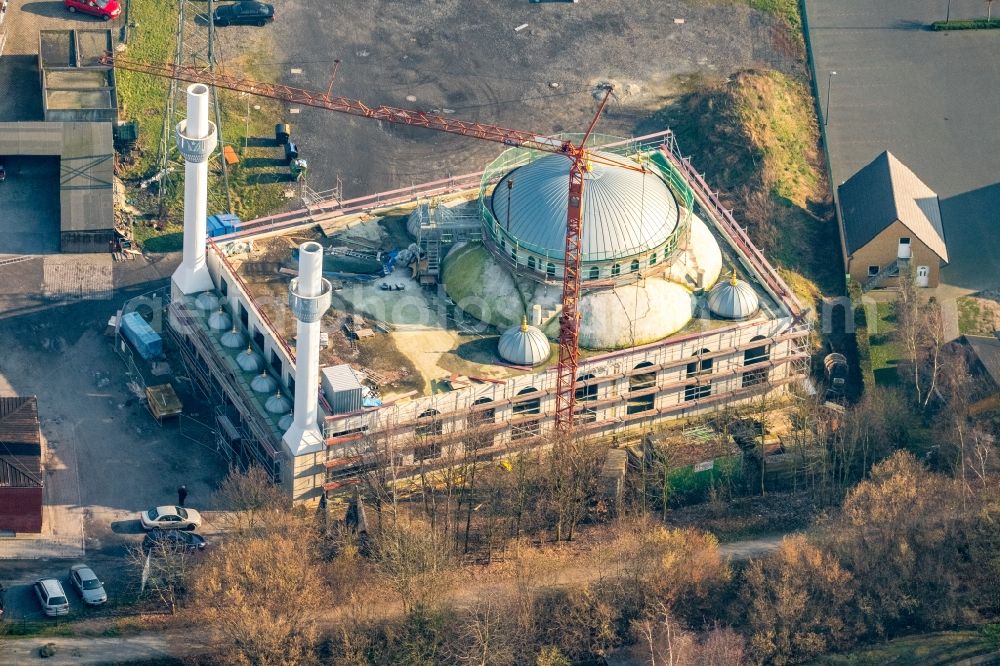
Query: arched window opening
column 639, row 381
column 635, row 265
column 616, row 269
column 698, row 368
column 531, row 427
column 427, row 429
column 585, row 393
column 595, row 272
column 550, row 269
column 755, row 356
column 531, row 262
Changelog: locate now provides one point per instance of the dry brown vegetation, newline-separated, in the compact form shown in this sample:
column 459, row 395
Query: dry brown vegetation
column 756, row 137
column 473, row 564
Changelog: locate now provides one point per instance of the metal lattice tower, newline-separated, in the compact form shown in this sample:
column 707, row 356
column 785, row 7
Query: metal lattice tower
column 194, row 46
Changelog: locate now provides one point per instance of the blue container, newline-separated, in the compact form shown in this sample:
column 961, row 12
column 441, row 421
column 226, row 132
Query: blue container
column 146, row 341
column 222, row 224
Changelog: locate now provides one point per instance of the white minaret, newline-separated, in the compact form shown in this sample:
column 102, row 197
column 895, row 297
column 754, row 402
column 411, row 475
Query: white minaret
column 196, row 139
column 309, row 298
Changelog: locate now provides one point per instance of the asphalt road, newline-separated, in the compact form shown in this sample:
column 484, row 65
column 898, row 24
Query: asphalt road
column 932, row 99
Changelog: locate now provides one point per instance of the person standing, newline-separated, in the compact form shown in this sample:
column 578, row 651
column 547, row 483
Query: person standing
column 182, row 494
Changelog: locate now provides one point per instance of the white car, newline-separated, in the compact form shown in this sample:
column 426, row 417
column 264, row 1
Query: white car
column 52, row 597
column 170, row 518
column 87, row 583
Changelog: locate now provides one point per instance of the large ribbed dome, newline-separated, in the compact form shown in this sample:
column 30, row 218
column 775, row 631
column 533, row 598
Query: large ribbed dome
column 625, row 212
column 524, row 345
column 733, row 299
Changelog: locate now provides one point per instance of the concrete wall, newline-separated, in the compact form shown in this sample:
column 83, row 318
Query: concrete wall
column 21, row 509
column 882, row 250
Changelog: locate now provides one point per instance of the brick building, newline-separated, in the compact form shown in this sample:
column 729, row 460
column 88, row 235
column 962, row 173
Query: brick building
column 890, row 220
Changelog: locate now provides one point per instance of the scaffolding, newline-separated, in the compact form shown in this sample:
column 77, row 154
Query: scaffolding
column 242, row 434
column 352, row 453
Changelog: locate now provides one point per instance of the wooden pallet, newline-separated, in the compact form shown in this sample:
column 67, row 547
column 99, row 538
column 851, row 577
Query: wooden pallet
column 163, row 401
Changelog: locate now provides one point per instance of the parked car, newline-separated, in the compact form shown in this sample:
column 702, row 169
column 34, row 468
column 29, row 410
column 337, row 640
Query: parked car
column 105, row 9
column 51, row 595
column 173, row 540
column 170, row 518
column 87, row 583
column 243, row 13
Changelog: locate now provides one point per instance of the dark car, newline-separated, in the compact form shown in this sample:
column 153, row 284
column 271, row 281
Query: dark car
column 244, row 13
column 173, row 540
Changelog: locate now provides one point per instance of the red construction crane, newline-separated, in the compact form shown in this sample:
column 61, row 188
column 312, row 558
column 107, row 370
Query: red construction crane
column 580, row 157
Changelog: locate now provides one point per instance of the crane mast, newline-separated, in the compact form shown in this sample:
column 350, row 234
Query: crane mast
column 580, row 162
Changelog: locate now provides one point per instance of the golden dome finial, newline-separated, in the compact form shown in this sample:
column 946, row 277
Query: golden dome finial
column 524, row 323
column 732, row 278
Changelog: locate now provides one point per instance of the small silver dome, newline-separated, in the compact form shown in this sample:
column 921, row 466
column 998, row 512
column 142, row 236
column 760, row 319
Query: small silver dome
column 219, row 321
column 264, row 383
column 285, row 422
column 428, row 213
column 249, row 360
column 524, row 345
column 207, row 301
column 233, row 339
column 734, row 299
column 277, row 404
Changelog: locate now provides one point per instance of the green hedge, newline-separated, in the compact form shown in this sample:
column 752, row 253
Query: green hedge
column 861, row 335
column 690, row 487
column 975, row 24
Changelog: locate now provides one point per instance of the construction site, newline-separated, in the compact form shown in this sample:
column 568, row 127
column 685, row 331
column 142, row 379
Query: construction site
column 579, row 285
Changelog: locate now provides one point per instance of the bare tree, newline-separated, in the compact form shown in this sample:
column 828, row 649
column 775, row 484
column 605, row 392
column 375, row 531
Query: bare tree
column 249, row 500
column 260, row 595
column 665, row 642
column 920, row 334
column 412, row 561
column 165, row 571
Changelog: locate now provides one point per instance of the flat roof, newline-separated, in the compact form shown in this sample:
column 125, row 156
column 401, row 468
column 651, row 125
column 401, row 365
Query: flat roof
column 412, row 340
column 86, row 167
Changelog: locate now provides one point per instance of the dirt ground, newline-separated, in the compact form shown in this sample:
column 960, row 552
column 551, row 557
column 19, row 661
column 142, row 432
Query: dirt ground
column 509, row 62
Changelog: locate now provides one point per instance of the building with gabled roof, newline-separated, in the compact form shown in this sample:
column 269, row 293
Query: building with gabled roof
column 21, row 482
column 890, row 219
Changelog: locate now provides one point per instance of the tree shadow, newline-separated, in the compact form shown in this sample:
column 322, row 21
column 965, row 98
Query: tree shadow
column 258, row 162
column 268, row 178
column 261, row 142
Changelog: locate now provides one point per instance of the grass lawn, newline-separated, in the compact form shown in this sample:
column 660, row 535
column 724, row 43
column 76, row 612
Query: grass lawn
column 936, row 649
column 142, row 97
column 884, row 355
column 259, row 183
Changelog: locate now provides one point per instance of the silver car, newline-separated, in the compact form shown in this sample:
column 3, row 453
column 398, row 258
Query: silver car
column 87, row 583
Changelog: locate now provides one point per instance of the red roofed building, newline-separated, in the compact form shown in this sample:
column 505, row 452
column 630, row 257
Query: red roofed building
column 20, row 465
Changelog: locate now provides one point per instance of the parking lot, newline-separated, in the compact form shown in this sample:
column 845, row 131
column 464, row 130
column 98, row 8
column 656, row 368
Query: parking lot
column 107, row 457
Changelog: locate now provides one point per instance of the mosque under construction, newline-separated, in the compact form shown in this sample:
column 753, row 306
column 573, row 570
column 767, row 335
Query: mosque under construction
column 388, row 329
